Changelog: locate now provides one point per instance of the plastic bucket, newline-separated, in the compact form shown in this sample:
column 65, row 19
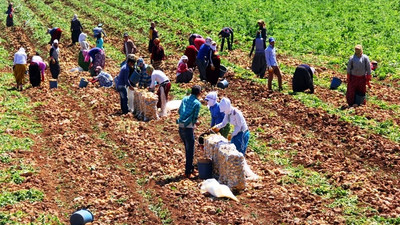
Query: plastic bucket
column 223, row 84
column 83, row 83
column 53, row 83
column 335, row 83
column 81, row 217
column 134, row 78
column 222, row 70
column 359, row 98
column 205, row 169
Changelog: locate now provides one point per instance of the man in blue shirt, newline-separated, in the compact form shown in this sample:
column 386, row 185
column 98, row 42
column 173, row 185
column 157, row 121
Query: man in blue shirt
column 204, row 57
column 272, row 64
column 123, row 82
column 188, row 115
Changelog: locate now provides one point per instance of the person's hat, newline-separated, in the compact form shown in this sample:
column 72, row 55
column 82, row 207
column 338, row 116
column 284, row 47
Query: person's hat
column 271, row 39
column 126, row 34
column 100, row 25
column 55, row 41
column 132, row 57
column 98, row 68
column 374, row 62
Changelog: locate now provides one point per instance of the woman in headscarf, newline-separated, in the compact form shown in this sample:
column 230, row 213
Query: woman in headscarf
column 99, row 41
column 259, row 65
column 157, row 55
column 183, row 73
column 240, row 135
column 263, row 30
column 213, row 68
column 216, row 115
column 98, row 59
column 19, row 67
column 36, row 72
column 10, row 10
column 191, row 53
column 84, row 47
column 54, row 60
column 76, row 29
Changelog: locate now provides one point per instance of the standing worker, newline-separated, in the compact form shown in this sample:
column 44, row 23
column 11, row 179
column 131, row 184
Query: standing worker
column 153, row 34
column 54, row 60
column 123, row 82
column 358, row 75
column 84, row 47
column 10, row 11
column 226, row 32
column 157, row 55
column 188, row 115
column 263, row 30
column 55, row 34
column 129, row 47
column 240, row 135
column 272, row 64
column 259, row 64
column 99, row 30
column 19, row 67
column 76, row 29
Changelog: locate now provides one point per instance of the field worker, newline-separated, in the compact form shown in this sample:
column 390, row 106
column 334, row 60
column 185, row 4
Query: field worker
column 76, row 29
column 37, row 58
column 303, row 78
column 240, row 135
column 192, row 37
column 54, row 60
column 157, row 55
column 99, row 30
column 129, row 47
column 191, row 53
column 36, row 72
column 198, row 42
column 96, row 57
column 204, row 57
column 226, row 33
column 19, row 67
column 213, row 68
column 259, row 64
column 272, row 64
column 374, row 66
column 183, row 73
column 358, row 75
column 123, row 82
column 188, row 115
column 99, row 41
column 153, row 34
column 55, row 34
column 104, row 79
column 10, row 16
column 163, row 89
column 263, row 30
column 84, row 47
column 216, row 115
column 145, row 78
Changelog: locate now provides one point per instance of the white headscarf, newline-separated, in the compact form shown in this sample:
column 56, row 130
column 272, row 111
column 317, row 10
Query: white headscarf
column 75, row 17
column 82, row 37
column 211, row 98
column 214, row 46
column 21, row 50
column 182, row 58
column 208, row 41
column 225, row 106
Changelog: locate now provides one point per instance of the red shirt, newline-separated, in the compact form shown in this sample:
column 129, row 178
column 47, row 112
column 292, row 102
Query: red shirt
column 198, row 42
column 182, row 67
column 191, row 53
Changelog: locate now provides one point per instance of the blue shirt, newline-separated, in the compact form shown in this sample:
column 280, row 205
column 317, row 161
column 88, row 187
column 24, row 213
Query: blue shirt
column 270, row 56
column 105, row 79
column 189, row 110
column 123, row 76
column 145, row 79
column 216, row 115
column 204, row 52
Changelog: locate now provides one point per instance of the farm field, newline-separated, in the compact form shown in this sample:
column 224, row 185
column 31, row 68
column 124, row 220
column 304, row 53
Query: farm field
column 65, row 149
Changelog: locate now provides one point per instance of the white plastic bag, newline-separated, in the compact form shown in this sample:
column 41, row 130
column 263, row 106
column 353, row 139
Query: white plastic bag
column 130, row 99
column 174, row 104
column 216, row 189
column 250, row 175
column 163, row 102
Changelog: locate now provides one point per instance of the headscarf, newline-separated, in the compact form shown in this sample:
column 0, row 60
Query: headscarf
column 211, row 98
column 156, row 41
column 358, row 50
column 75, row 17
column 82, row 37
column 208, row 41
column 21, row 50
column 182, row 58
column 225, row 106
column 214, row 46
column 140, row 61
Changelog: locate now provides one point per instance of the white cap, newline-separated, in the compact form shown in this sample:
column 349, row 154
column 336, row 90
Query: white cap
column 55, row 41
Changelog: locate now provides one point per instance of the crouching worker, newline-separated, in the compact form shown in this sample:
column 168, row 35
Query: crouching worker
column 240, row 135
column 303, row 78
column 163, row 89
column 188, row 115
column 358, row 76
column 104, row 79
column 183, row 73
column 216, row 115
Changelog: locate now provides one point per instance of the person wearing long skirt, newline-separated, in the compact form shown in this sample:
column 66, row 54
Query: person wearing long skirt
column 76, row 29
column 19, row 67
column 84, row 47
column 259, row 65
column 10, row 15
column 54, row 60
column 213, row 68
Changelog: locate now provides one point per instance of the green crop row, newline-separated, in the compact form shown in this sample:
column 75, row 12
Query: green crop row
column 10, row 198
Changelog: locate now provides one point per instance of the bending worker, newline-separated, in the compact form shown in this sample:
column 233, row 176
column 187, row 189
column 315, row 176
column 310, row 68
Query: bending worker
column 240, row 135
column 303, row 78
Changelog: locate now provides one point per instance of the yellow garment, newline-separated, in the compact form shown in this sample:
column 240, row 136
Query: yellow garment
column 151, row 34
column 19, row 73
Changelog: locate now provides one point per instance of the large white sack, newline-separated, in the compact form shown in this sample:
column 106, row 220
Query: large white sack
column 216, row 189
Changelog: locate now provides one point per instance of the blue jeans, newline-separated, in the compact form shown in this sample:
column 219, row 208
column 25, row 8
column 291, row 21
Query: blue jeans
column 241, row 140
column 187, row 136
column 123, row 95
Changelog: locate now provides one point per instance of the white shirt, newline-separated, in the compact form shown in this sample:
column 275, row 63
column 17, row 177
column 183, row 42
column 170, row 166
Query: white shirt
column 20, row 58
column 235, row 117
column 158, row 76
column 37, row 58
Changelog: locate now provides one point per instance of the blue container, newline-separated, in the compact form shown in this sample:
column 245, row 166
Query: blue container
column 83, row 83
column 134, row 78
column 205, row 169
column 81, row 217
column 53, row 83
column 223, row 84
column 222, row 70
column 335, row 83
column 359, row 98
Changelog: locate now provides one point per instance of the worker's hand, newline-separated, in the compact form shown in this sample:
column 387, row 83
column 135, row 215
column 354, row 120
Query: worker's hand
column 198, row 123
column 215, row 129
column 270, row 69
column 229, row 137
column 213, row 68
